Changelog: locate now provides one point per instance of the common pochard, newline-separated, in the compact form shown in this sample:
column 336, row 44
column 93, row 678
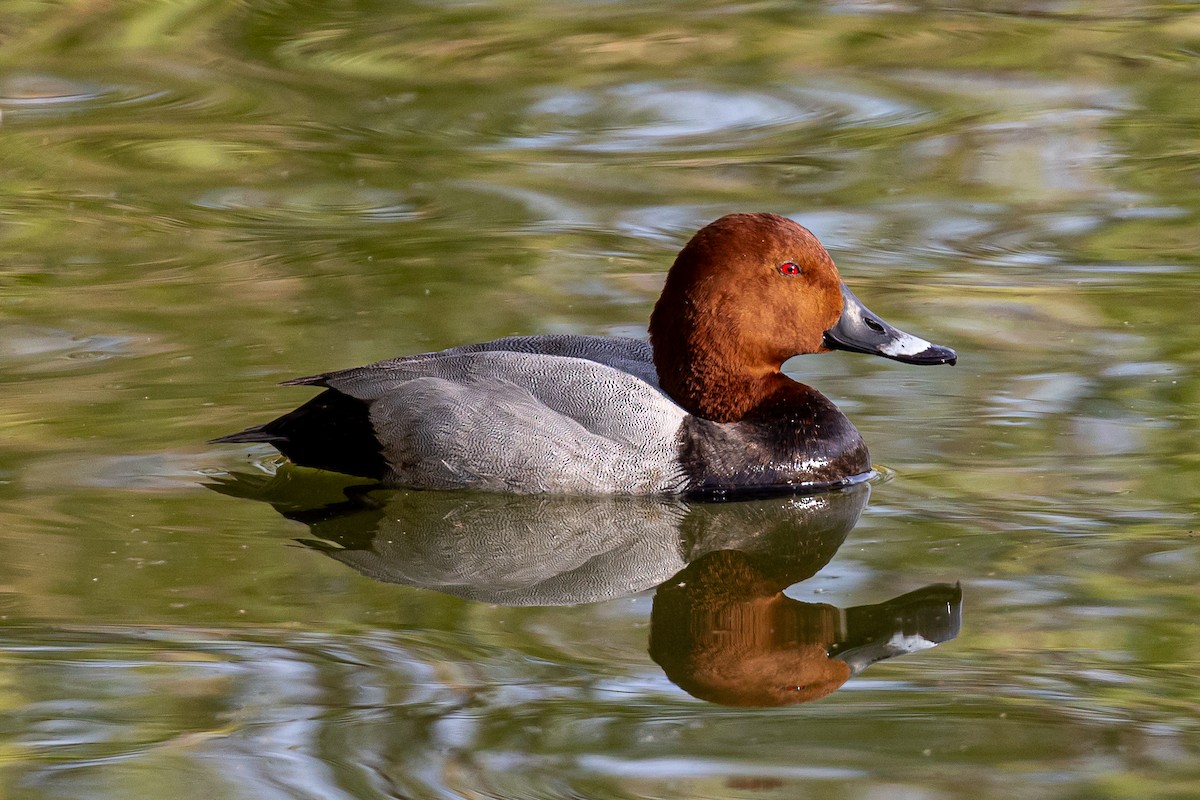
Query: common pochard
column 702, row 409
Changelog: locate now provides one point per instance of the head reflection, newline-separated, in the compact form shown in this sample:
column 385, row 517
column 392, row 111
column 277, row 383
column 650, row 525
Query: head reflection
column 721, row 627
column 723, row 630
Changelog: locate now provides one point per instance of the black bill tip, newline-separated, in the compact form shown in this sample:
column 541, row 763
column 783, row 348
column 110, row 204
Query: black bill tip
column 934, row 354
column 861, row 331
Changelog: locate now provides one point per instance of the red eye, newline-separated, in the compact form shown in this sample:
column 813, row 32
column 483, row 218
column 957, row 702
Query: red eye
column 790, row 268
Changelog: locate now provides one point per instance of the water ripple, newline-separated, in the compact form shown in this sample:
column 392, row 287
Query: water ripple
column 645, row 116
column 329, row 203
column 38, row 96
column 48, row 95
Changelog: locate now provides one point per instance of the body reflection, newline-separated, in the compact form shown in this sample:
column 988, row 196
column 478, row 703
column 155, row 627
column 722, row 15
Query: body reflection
column 721, row 627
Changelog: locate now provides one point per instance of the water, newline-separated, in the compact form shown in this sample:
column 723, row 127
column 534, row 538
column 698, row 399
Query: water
column 202, row 199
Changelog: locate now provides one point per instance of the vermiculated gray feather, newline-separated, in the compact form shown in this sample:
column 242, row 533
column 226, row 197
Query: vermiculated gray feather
column 524, row 414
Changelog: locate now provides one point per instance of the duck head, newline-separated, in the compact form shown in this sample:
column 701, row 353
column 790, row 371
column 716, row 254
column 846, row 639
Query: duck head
column 748, row 292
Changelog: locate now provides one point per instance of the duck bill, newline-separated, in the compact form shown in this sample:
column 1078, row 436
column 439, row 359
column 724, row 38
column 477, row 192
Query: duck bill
column 860, row 331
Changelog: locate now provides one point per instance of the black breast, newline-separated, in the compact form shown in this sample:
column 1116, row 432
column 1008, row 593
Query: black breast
column 798, row 440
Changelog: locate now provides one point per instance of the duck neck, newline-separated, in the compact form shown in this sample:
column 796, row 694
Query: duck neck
column 707, row 379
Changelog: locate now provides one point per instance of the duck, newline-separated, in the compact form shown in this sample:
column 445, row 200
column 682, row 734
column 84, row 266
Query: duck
column 701, row 409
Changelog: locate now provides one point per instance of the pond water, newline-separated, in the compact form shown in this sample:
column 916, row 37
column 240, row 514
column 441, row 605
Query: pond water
column 201, row 199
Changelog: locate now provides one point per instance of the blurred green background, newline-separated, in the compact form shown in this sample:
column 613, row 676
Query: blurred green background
column 198, row 199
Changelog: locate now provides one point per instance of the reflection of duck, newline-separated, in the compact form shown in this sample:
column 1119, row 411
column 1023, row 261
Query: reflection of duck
column 723, row 630
column 721, row 627
column 703, row 408
column 551, row 549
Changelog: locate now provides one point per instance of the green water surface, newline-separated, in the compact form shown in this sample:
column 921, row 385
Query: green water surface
column 200, row 198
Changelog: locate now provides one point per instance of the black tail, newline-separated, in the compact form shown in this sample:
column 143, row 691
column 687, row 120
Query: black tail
column 258, row 433
column 332, row 431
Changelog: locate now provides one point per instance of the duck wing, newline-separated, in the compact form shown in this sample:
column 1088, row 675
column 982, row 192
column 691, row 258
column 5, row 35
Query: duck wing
column 501, row 416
